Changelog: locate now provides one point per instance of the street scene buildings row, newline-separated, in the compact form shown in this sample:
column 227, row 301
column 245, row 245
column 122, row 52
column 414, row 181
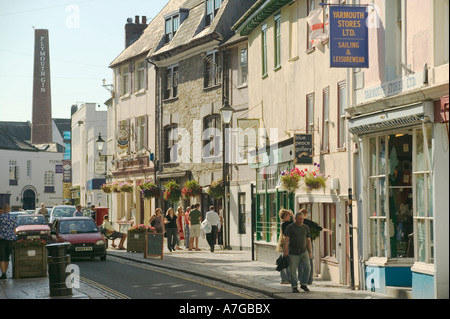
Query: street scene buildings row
column 378, row 134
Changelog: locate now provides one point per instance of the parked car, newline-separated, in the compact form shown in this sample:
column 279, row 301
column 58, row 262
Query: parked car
column 15, row 214
column 32, row 227
column 83, row 235
column 61, row 211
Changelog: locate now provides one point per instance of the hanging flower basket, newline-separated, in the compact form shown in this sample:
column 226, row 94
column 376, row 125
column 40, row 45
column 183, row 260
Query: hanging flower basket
column 149, row 190
column 314, row 179
column 217, row 189
column 115, row 187
column 290, row 180
column 126, row 187
column 172, row 191
column 106, row 188
column 191, row 189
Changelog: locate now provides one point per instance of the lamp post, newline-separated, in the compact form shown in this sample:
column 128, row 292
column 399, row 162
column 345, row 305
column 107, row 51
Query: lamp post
column 227, row 113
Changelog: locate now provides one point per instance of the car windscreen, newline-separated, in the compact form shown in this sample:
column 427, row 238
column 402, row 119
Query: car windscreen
column 63, row 212
column 81, row 226
column 31, row 220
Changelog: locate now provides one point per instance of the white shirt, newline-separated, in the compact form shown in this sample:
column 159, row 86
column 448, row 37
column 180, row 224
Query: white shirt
column 213, row 218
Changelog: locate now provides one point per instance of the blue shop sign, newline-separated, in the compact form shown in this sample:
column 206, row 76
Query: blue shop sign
column 349, row 37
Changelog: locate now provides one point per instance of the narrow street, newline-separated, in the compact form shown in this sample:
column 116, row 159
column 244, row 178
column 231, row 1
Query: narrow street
column 132, row 280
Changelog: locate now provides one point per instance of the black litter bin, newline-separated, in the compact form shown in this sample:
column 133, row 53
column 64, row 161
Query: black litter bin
column 58, row 272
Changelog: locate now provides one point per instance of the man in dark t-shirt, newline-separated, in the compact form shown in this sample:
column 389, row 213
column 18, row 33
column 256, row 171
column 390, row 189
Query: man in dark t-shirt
column 195, row 218
column 297, row 246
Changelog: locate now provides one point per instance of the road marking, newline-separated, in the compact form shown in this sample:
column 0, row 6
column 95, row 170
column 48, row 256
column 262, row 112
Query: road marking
column 147, row 267
column 102, row 287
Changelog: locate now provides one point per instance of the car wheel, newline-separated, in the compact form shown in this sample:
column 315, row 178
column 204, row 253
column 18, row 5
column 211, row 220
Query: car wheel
column 103, row 258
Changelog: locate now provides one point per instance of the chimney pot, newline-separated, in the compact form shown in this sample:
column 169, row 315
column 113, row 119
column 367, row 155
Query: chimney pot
column 136, row 19
column 144, row 20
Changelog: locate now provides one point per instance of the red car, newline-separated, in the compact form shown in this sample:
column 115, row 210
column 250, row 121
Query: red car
column 83, row 235
column 32, row 227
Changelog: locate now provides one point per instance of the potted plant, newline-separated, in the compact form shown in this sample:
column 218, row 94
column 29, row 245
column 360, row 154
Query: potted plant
column 314, row 179
column 106, row 188
column 217, row 189
column 30, row 258
column 149, row 190
column 172, row 191
column 290, row 180
column 136, row 237
column 191, row 189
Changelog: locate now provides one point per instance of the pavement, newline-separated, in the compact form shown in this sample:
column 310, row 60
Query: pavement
column 231, row 267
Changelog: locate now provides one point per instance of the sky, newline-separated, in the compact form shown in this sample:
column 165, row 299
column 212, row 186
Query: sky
column 85, row 37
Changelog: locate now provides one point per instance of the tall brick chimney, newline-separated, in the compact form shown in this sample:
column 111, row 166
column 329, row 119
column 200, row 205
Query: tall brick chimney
column 133, row 31
column 41, row 125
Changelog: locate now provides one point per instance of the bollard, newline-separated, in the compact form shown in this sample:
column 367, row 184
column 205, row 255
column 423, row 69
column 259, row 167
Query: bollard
column 58, row 261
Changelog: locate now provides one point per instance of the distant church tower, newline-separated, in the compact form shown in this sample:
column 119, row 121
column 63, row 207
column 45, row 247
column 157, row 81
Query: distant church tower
column 41, row 126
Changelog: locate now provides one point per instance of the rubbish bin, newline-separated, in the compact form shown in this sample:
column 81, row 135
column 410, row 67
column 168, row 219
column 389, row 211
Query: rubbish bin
column 100, row 213
column 58, row 272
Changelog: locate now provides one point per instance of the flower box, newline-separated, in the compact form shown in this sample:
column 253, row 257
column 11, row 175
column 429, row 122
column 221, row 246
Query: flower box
column 136, row 241
column 29, row 261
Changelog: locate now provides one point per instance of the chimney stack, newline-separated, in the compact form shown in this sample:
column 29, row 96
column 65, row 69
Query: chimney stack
column 133, row 31
column 41, row 126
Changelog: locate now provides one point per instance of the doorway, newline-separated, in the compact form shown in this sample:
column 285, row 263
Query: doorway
column 29, row 199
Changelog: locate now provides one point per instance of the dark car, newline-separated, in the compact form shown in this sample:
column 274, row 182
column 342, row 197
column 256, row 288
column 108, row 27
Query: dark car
column 83, row 235
column 32, row 226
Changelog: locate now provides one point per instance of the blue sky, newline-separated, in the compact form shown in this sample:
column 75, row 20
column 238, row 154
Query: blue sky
column 85, row 37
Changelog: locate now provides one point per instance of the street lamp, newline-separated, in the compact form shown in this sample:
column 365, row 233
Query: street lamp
column 227, row 113
column 100, row 143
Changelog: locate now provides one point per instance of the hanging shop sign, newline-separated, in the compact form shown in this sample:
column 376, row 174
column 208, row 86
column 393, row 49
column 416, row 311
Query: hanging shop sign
column 303, row 145
column 349, row 45
column 122, row 138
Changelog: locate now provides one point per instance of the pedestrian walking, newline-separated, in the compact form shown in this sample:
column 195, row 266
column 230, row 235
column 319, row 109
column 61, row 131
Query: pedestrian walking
column 157, row 221
column 297, row 246
column 195, row 218
column 180, row 232
column 186, row 226
column 213, row 218
column 315, row 229
column 170, row 222
column 7, row 238
column 286, row 216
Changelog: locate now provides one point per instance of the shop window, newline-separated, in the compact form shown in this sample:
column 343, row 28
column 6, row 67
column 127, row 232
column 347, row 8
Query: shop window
column 390, row 193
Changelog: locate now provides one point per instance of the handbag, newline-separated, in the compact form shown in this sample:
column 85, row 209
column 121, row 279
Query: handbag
column 206, row 226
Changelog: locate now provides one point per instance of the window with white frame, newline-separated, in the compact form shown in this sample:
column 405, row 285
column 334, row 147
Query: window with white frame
column 341, row 114
column 326, row 121
column 277, row 40
column 124, row 79
column 171, row 82
column 49, row 181
column 139, row 75
column 310, row 113
column 212, row 7
column 172, row 24
column 329, row 222
column 171, row 144
column 13, row 173
column 264, row 49
column 423, row 212
column 211, row 136
column 243, row 66
column 141, row 133
column 213, row 68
